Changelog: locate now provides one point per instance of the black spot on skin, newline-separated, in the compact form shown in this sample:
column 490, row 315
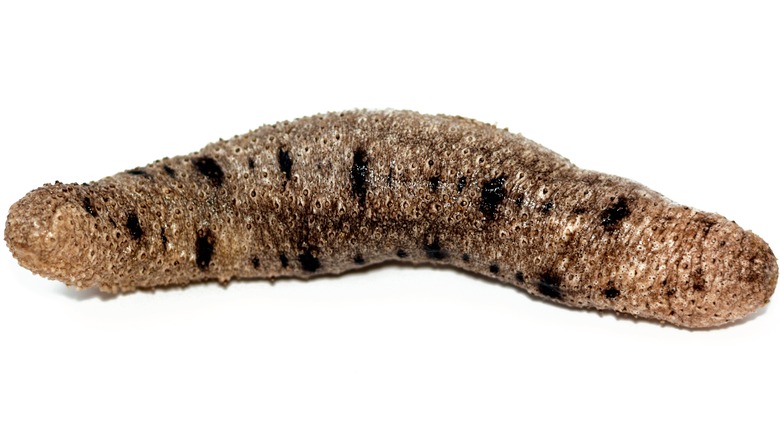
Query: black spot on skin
column 111, row 220
column 466, row 258
column 134, row 226
column 285, row 163
column 550, row 286
column 519, row 277
column 706, row 224
column 461, row 184
column 433, row 183
column 579, row 210
column 434, row 251
column 402, row 254
column 87, row 204
column 139, row 172
column 204, row 248
column 255, row 262
column 494, row 268
column 519, row 200
column 250, row 162
column 210, row 169
column 390, row 178
column 547, row 206
column 359, row 260
column 169, row 171
column 309, row 262
column 612, row 293
column 697, row 277
column 164, row 239
column 359, row 175
column 611, row 216
column 493, row 193
column 283, row 260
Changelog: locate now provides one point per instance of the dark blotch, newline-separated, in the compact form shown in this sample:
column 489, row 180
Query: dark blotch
column 519, row 277
column 139, row 172
column 255, row 262
column 461, row 184
column 359, row 260
column 519, row 200
column 359, row 175
column 164, row 239
column 390, row 178
column 697, row 276
column 204, row 248
column 493, row 194
column 285, row 163
column 611, row 216
column 706, row 224
column 466, row 258
column 87, row 204
column 169, row 171
column 550, row 286
column 494, row 268
column 433, row 183
column 579, row 210
column 402, row 254
column 284, row 260
column 547, row 206
column 134, row 226
column 612, row 293
column 210, row 169
column 250, row 162
column 434, row 251
column 309, row 262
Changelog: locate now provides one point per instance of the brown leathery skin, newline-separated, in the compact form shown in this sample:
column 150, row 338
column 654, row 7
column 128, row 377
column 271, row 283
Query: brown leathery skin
column 334, row 192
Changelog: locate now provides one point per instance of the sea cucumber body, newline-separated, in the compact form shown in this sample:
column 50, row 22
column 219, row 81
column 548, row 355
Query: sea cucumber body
column 334, row 192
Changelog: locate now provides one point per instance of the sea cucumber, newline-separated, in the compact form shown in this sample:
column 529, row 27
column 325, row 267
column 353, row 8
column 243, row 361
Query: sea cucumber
column 338, row 191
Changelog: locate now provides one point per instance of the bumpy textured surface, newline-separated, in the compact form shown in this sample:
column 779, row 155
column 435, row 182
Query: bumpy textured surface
column 334, row 192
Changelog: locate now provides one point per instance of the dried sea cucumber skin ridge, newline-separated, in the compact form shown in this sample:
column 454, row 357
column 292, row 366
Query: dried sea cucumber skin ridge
column 334, row 192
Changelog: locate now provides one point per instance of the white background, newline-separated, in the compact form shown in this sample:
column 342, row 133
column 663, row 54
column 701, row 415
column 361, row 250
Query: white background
column 683, row 97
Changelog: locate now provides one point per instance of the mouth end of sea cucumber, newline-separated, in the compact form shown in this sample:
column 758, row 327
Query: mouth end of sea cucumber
column 42, row 232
